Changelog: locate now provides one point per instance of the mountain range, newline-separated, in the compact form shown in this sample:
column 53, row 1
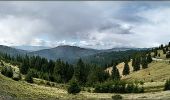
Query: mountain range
column 64, row 52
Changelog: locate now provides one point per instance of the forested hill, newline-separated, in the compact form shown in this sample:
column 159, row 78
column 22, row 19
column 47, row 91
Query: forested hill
column 107, row 59
column 72, row 53
column 12, row 51
column 66, row 53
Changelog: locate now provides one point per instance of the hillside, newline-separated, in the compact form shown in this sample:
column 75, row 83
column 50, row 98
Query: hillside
column 67, row 53
column 20, row 90
column 156, row 71
column 11, row 51
column 30, row 48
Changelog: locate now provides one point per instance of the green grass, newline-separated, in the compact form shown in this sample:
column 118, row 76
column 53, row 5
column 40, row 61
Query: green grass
column 22, row 90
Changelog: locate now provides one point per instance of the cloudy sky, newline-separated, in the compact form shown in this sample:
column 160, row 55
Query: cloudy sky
column 92, row 24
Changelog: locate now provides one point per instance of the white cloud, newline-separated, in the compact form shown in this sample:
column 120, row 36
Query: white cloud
column 87, row 24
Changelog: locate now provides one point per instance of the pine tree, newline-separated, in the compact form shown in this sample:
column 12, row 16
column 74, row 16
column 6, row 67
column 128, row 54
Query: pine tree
column 80, row 73
column 126, row 69
column 149, row 58
column 144, row 63
column 136, row 66
column 115, row 73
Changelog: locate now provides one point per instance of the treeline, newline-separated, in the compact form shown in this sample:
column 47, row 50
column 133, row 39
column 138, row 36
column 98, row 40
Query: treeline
column 165, row 49
column 58, row 71
column 108, row 59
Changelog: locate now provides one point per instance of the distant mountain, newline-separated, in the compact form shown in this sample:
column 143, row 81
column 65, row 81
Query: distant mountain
column 31, row 48
column 72, row 53
column 11, row 51
column 65, row 52
column 69, row 53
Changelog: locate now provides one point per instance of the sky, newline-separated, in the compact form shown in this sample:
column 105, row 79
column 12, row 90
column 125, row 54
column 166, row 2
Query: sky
column 90, row 24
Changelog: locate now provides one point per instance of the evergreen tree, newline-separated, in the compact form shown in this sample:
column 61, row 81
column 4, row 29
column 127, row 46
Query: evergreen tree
column 126, row 69
column 164, row 51
column 149, row 58
column 115, row 73
column 80, row 73
column 144, row 63
column 29, row 76
column 136, row 66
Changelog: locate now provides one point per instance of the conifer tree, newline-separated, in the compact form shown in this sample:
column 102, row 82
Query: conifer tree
column 136, row 66
column 115, row 73
column 80, row 73
column 144, row 63
column 126, row 69
column 149, row 58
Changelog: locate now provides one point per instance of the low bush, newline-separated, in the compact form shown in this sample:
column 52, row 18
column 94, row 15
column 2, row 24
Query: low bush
column 117, row 97
column 118, row 87
column 74, row 88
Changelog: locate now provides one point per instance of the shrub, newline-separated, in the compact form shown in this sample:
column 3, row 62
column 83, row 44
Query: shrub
column 7, row 71
column 48, row 83
column 167, row 85
column 73, row 88
column 117, row 97
column 118, row 87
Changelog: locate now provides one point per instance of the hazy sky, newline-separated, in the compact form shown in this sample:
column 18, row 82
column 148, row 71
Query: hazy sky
column 89, row 24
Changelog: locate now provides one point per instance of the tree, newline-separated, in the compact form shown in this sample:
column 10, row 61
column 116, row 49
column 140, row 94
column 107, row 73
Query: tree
column 80, row 73
column 96, row 74
column 73, row 88
column 167, row 85
column 144, row 63
column 126, row 69
column 115, row 73
column 24, row 66
column 136, row 66
column 29, row 76
column 149, row 58
column 164, row 51
column 155, row 53
column 168, row 55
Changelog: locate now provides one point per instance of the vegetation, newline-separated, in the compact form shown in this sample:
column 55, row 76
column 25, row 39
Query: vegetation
column 167, row 85
column 118, row 87
column 7, row 71
column 74, row 88
column 126, row 69
column 117, row 97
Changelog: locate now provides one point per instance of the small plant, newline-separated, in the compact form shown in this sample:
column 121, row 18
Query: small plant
column 74, row 88
column 117, row 97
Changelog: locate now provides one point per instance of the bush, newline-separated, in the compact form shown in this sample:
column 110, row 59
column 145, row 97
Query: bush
column 117, row 97
column 7, row 71
column 118, row 87
column 48, row 83
column 73, row 88
column 167, row 85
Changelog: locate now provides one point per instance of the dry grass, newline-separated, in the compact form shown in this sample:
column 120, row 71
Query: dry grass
column 120, row 67
column 156, row 71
